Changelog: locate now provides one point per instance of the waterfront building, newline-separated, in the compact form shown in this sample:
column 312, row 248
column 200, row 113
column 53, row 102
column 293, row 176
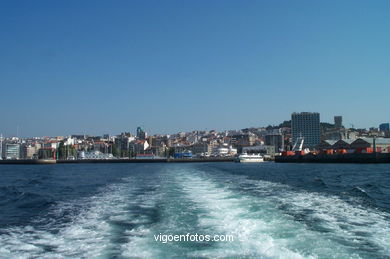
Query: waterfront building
column 138, row 146
column 224, row 150
column 150, row 140
column 276, row 139
column 334, row 133
column 380, row 144
column 232, row 151
column 51, row 144
column 306, row 125
column 100, row 146
column 338, row 122
column 12, row 151
column 69, row 141
column 123, row 142
column 243, row 140
column 28, row 151
column 343, row 144
column 201, row 148
column 47, row 153
column 141, row 134
column 359, row 145
column 180, row 147
column 1, row 147
column 351, row 134
column 384, row 127
column 326, row 144
column 159, row 151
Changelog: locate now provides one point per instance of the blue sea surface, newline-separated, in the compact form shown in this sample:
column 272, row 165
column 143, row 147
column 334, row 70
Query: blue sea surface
column 272, row 210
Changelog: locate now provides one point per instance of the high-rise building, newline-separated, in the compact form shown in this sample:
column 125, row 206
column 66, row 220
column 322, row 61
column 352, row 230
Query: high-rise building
column 384, row 127
column 306, row 125
column 275, row 138
column 141, row 134
column 338, row 121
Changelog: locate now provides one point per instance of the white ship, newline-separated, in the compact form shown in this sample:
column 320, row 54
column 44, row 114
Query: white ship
column 250, row 158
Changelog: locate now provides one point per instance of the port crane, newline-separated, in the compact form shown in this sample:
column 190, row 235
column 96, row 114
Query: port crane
column 298, row 145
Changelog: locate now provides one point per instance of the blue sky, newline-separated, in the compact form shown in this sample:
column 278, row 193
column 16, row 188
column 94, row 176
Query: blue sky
column 69, row 67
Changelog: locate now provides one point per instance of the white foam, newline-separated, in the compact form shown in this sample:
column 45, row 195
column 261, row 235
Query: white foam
column 265, row 230
column 343, row 219
column 89, row 233
column 250, row 210
column 139, row 242
column 228, row 213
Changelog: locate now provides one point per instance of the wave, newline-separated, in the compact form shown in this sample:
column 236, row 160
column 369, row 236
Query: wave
column 255, row 231
column 319, row 182
column 88, row 227
column 360, row 192
column 287, row 222
column 266, row 219
column 16, row 198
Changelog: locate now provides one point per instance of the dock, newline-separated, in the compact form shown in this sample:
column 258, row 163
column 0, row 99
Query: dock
column 362, row 158
column 114, row 161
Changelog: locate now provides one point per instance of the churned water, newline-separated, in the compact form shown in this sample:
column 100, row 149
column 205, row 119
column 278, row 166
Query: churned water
column 271, row 210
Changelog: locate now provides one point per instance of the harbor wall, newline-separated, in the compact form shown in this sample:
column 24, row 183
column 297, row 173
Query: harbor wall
column 336, row 158
column 28, row 162
column 106, row 161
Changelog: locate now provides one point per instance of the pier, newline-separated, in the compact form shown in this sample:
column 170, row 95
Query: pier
column 336, row 158
column 119, row 160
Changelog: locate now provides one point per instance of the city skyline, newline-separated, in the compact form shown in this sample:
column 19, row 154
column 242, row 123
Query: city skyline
column 100, row 67
column 134, row 130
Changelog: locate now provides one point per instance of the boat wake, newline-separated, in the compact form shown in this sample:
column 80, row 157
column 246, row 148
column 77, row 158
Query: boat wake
column 274, row 220
column 266, row 220
column 101, row 225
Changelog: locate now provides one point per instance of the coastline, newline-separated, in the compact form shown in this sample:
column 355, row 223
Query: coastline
column 368, row 158
column 105, row 161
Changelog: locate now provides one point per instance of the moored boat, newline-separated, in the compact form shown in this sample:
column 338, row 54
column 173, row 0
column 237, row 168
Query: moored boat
column 250, row 158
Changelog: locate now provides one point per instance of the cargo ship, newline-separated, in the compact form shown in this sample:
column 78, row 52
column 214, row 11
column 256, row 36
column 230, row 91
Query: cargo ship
column 334, row 158
column 340, row 152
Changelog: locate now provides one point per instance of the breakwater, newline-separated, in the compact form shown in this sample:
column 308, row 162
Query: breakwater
column 29, row 162
column 106, row 161
column 335, row 158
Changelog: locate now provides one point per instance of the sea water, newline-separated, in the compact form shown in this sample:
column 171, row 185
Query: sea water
column 119, row 210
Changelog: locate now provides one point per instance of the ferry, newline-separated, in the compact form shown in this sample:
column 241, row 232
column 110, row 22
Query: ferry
column 250, row 158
